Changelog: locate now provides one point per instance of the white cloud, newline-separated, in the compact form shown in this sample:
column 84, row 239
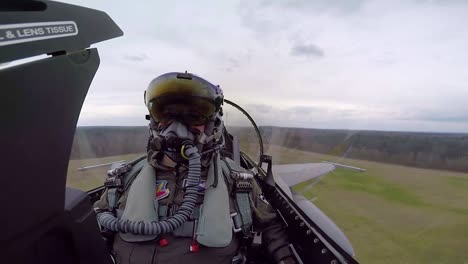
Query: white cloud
column 376, row 62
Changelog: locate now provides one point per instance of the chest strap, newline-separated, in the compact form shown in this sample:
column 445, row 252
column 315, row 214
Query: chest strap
column 188, row 227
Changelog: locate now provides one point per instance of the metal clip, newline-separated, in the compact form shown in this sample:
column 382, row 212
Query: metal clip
column 124, row 168
column 241, row 175
column 234, row 225
column 113, row 182
column 263, row 199
column 257, row 239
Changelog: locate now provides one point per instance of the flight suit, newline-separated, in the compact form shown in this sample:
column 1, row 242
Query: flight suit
column 169, row 192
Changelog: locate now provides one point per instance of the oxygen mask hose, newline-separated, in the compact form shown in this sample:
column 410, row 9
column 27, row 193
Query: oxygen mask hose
column 109, row 221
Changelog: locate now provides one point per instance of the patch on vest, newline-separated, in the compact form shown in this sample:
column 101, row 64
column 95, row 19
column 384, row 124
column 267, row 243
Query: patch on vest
column 161, row 189
column 201, row 187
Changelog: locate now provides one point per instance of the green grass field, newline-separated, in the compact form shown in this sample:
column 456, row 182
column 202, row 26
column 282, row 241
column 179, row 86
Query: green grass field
column 92, row 178
column 390, row 213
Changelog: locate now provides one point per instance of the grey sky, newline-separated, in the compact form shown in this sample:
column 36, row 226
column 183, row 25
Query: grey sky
column 386, row 65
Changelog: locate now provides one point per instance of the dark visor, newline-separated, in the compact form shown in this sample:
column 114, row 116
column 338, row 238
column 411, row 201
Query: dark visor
column 193, row 111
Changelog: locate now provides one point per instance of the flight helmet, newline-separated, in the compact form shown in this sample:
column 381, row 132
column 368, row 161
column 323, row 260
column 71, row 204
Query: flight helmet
column 184, row 97
column 178, row 103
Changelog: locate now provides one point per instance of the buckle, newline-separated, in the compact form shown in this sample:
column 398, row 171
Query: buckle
column 124, row 168
column 239, row 259
column 113, row 182
column 243, row 186
column 257, row 239
column 236, row 219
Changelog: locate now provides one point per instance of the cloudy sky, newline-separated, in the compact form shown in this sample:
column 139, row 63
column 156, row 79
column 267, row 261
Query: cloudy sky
column 356, row 64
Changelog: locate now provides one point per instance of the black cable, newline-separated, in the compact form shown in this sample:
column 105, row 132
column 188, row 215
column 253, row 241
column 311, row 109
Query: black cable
column 260, row 141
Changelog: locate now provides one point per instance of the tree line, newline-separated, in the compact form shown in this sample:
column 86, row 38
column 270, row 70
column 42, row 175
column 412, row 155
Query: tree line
column 429, row 150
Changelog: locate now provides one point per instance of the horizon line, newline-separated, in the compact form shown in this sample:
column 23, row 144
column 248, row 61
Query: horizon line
column 336, row 129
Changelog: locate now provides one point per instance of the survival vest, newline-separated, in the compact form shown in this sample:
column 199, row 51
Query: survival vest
column 211, row 229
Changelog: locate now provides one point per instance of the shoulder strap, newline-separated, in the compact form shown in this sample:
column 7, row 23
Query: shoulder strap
column 137, row 165
column 240, row 182
column 120, row 179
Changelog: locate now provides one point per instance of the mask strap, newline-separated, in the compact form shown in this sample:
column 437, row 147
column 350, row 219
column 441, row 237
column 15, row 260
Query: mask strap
column 203, row 139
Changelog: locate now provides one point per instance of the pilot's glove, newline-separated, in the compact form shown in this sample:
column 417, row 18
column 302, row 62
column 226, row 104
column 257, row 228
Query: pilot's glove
column 276, row 243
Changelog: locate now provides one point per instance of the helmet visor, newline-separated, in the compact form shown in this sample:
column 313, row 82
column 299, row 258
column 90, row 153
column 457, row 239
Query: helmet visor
column 191, row 110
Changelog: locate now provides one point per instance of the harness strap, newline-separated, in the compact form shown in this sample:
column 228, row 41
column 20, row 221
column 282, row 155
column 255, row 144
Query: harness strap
column 242, row 186
column 236, row 218
column 185, row 230
column 113, row 185
column 163, row 211
column 243, row 202
column 137, row 165
column 112, row 198
column 204, row 138
column 120, row 179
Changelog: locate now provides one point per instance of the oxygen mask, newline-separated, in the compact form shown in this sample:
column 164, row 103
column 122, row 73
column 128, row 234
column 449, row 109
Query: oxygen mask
column 173, row 138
